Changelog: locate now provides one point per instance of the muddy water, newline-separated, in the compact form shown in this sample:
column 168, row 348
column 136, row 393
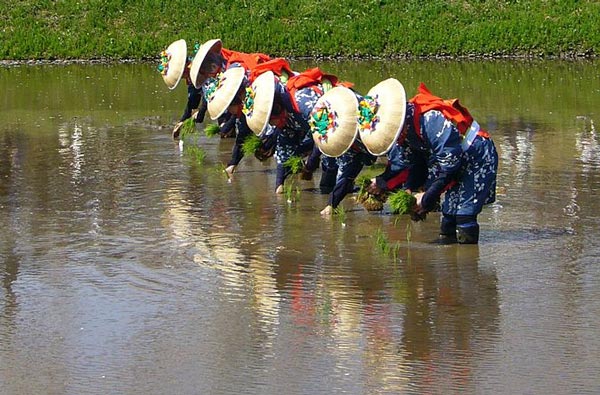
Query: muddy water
column 127, row 266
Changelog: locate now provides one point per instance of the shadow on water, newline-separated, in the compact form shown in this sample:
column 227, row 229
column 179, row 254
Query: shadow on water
column 129, row 266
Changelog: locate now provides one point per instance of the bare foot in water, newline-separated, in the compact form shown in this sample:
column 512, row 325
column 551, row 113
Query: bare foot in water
column 327, row 211
column 229, row 170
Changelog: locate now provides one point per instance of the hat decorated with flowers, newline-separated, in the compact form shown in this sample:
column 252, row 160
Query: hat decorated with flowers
column 333, row 121
column 173, row 62
column 220, row 91
column 211, row 46
column 259, row 102
column 381, row 116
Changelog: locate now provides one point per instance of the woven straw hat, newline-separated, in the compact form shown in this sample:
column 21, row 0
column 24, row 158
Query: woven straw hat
column 333, row 121
column 381, row 116
column 214, row 46
column 172, row 63
column 221, row 90
column 259, row 102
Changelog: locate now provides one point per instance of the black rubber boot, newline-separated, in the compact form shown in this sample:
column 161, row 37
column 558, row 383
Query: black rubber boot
column 467, row 234
column 448, row 230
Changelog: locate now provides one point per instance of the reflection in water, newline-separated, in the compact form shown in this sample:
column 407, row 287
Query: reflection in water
column 586, row 141
column 128, row 268
column 517, row 150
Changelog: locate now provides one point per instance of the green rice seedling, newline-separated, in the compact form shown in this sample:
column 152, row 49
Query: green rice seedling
column 194, row 152
column 340, row 214
column 220, row 168
column 401, row 202
column 295, row 164
column 381, row 241
column 363, row 183
column 212, row 129
column 188, row 128
column 395, row 251
column 251, row 144
column 291, row 191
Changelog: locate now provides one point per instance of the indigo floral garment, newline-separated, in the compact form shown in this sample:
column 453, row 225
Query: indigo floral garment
column 356, row 153
column 350, row 164
column 293, row 138
column 290, row 137
column 306, row 98
column 477, row 183
column 475, row 170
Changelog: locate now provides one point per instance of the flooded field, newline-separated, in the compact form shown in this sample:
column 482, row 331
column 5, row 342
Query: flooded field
column 129, row 267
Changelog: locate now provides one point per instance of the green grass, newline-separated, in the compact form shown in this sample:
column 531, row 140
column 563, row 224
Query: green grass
column 121, row 29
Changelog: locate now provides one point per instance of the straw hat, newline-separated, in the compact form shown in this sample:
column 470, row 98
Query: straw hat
column 221, row 90
column 172, row 63
column 213, row 46
column 333, row 121
column 381, row 116
column 259, row 102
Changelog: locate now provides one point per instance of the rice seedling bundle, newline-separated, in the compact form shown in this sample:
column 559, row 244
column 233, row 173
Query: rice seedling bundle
column 251, row 144
column 401, row 202
column 211, row 130
column 295, row 164
column 187, row 128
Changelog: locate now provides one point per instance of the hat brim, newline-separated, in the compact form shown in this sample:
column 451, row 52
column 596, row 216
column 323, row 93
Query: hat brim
column 340, row 106
column 228, row 86
column 263, row 89
column 177, row 53
column 390, row 97
column 214, row 46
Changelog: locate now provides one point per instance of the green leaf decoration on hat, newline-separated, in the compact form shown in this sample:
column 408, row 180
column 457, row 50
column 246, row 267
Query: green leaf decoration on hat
column 163, row 66
column 212, row 86
column 323, row 121
column 192, row 55
column 249, row 101
column 367, row 113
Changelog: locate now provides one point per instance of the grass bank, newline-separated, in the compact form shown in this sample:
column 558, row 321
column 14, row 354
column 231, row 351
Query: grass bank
column 138, row 30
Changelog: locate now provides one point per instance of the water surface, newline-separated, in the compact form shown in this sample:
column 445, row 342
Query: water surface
column 128, row 267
